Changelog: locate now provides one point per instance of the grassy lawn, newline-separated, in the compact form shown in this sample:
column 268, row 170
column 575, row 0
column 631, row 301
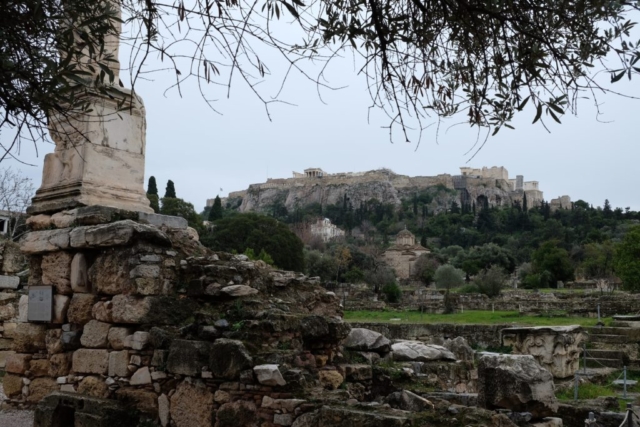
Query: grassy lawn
column 468, row 317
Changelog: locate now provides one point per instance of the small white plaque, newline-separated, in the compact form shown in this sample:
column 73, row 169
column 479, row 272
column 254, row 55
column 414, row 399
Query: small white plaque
column 40, row 304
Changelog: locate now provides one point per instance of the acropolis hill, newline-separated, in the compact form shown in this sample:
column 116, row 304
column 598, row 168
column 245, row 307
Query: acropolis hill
column 487, row 185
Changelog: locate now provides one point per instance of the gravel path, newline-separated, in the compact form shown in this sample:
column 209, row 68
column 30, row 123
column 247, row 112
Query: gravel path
column 14, row 418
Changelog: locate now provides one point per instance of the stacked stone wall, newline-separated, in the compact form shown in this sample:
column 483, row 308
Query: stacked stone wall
column 12, row 266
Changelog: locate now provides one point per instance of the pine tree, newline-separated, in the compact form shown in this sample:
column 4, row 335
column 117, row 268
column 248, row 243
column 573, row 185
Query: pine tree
column 170, row 191
column 216, row 210
column 152, row 188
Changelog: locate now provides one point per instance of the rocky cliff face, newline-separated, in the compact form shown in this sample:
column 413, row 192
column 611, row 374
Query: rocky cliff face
column 383, row 186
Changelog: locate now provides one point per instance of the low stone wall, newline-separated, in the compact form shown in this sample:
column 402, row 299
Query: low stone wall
column 480, row 336
column 12, row 263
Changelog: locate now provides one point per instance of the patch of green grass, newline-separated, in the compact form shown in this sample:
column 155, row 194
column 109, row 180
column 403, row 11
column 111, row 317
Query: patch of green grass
column 587, row 391
column 468, row 317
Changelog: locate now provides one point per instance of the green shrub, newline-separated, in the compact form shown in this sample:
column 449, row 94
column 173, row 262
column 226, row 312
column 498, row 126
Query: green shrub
column 392, row 292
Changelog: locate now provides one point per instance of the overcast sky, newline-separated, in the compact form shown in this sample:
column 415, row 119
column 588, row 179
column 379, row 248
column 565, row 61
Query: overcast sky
column 206, row 154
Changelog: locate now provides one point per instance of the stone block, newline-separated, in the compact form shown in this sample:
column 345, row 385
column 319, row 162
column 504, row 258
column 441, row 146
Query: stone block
column 118, row 363
column 188, row 357
column 29, row 338
column 4, row 354
column 39, row 367
column 149, row 271
column 9, row 282
column 109, row 273
column 228, row 358
column 53, row 341
column 192, row 405
column 9, row 329
column 70, row 340
column 17, row 363
column 103, row 311
column 80, row 308
column 269, row 375
column 60, row 308
column 238, row 413
column 60, row 364
column 7, row 312
column 79, row 277
column 41, row 387
column 117, row 337
column 163, row 410
column 64, row 219
column 283, row 419
column 23, row 309
column 140, row 340
column 39, row 242
column 12, row 385
column 93, row 386
column 56, row 271
column 129, row 309
column 6, row 344
column 163, row 220
column 141, row 377
column 118, row 233
column 239, row 290
column 39, row 222
column 330, row 379
column 148, row 286
column 95, row 334
column 144, row 401
column 90, row 361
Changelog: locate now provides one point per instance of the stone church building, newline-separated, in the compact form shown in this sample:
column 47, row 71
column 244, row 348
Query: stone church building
column 403, row 254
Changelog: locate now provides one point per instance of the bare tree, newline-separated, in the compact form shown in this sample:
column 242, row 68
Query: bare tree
column 424, row 60
column 16, row 192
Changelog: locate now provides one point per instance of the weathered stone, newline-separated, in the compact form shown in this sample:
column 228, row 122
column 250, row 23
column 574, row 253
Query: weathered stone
column 60, row 308
column 29, row 338
column 515, row 382
column 79, row 277
column 221, row 396
column 555, row 348
column 141, row 377
column 143, row 400
column 117, row 337
column 329, row 416
column 103, row 311
column 9, row 282
column 80, row 308
column 420, row 352
column 163, row 220
column 360, row 339
column 139, row 340
column 330, row 379
column 90, row 361
column 357, row 372
column 23, row 309
column 163, row 410
column 4, row 354
column 118, row 363
column 160, row 339
column 192, row 405
column 60, row 364
column 39, row 222
column 239, row 290
column 17, row 363
column 12, row 385
column 109, row 273
column 289, row 405
column 7, row 312
column 193, row 234
column 269, row 375
column 41, row 387
column 228, row 358
column 408, row 401
column 128, row 309
column 56, row 271
column 38, row 242
column 39, row 367
column 55, row 409
column 64, row 219
column 94, row 334
column 148, row 286
column 93, row 386
column 188, row 357
column 283, row 419
column 322, row 328
column 150, row 271
column 70, row 340
column 118, row 233
column 238, row 413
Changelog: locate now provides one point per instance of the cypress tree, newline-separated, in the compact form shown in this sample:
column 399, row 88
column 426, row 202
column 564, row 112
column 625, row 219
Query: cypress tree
column 216, row 210
column 170, row 191
column 524, row 203
column 152, row 188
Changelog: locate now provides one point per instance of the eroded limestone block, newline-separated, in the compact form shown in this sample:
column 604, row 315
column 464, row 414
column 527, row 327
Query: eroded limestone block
column 192, row 405
column 17, row 363
column 228, row 358
column 330, row 379
column 87, row 361
column 79, row 277
column 64, row 219
column 60, row 308
column 239, row 290
column 269, row 375
column 60, row 364
column 39, row 222
column 163, row 410
column 56, row 271
column 41, row 387
column 29, row 338
column 7, row 312
column 420, row 352
column 555, row 348
column 12, row 385
column 117, row 337
column 38, row 242
column 53, row 341
column 95, row 334
column 93, row 386
column 118, row 233
column 144, row 400
column 188, row 357
column 118, row 363
column 129, row 309
column 39, row 367
column 80, row 308
column 141, row 377
column 361, row 339
column 238, row 413
column 23, row 309
column 408, row 401
column 103, row 311
column 515, row 382
column 109, row 273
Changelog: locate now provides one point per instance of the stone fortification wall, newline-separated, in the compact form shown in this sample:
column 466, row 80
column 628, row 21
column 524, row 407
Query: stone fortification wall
column 144, row 314
column 12, row 265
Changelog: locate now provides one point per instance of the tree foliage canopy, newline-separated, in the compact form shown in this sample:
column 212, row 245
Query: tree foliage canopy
column 627, row 260
column 242, row 231
column 482, row 59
